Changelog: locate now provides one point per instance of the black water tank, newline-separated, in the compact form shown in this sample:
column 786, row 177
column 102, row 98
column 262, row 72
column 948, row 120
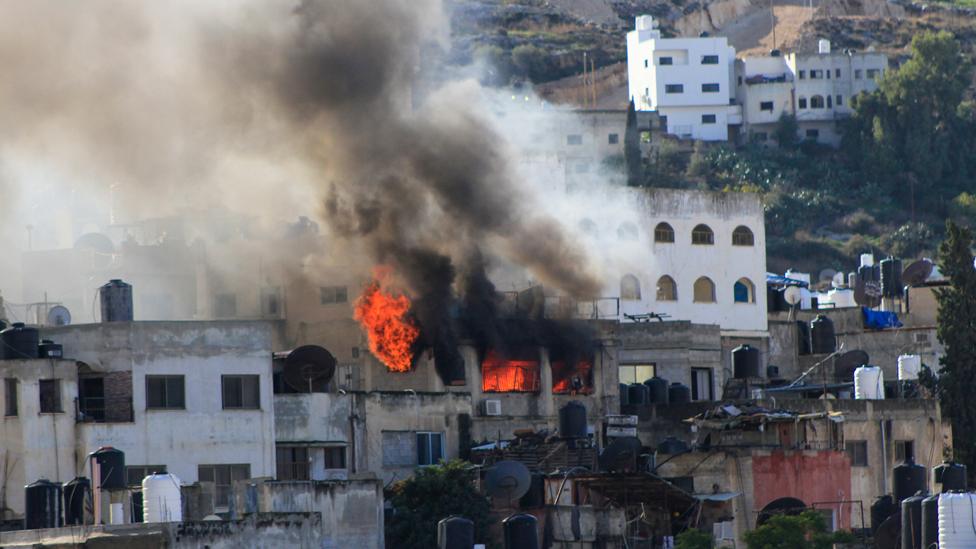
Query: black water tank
column 455, row 533
column 624, row 394
column 572, row 420
column 639, row 394
column 802, row 338
column 930, row 521
column 672, row 445
column 952, row 476
column 909, row 478
column 822, row 338
column 42, row 505
column 116, row 300
column 911, row 522
column 520, row 532
column 75, row 495
column 891, row 285
column 881, row 509
column 658, row 390
column 536, row 496
column 112, row 463
column 19, row 341
column 50, row 349
column 868, row 273
column 679, row 393
column 745, row 362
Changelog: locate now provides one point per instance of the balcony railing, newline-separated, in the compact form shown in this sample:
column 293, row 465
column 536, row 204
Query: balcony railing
column 104, row 410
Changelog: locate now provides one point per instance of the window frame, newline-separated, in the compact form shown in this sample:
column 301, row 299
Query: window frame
column 613, row 139
column 812, row 133
column 166, row 378
column 698, row 235
column 632, row 370
column 225, row 378
column 339, row 450
column 228, row 489
column 900, row 447
column 674, row 289
column 634, row 290
column 750, row 291
column 11, row 396
column 711, row 87
column 767, row 106
column 430, row 435
column 857, row 449
column 709, row 59
column 816, row 74
column 674, row 89
column 665, row 61
column 801, row 103
column 293, row 468
column 574, row 139
column 663, row 233
column 57, row 400
column 696, row 390
column 694, row 291
column 743, row 236
column 709, row 119
column 815, row 104
column 333, row 295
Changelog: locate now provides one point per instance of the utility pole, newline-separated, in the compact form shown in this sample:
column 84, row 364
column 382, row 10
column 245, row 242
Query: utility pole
column 772, row 20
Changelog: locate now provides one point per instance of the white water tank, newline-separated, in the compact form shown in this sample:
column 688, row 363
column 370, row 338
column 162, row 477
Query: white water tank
column 867, row 260
column 957, row 515
column 823, row 46
column 908, row 367
column 161, row 498
column 841, row 298
column 645, row 22
column 868, row 383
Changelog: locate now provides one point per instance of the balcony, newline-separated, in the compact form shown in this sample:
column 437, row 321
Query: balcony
column 103, row 410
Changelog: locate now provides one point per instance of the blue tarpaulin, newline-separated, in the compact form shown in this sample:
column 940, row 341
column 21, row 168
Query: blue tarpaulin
column 879, row 320
column 779, row 280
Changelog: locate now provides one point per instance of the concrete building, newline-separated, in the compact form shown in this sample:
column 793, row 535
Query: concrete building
column 686, row 80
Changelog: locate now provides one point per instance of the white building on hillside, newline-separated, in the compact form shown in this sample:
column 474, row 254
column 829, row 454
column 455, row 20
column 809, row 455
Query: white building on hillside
column 686, row 80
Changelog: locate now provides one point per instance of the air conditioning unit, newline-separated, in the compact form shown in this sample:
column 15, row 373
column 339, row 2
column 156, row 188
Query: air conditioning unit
column 493, row 407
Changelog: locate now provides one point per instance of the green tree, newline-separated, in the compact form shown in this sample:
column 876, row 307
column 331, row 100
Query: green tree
column 804, row 531
column 785, row 131
column 956, row 331
column 632, row 152
column 531, row 61
column 432, row 494
column 693, row 539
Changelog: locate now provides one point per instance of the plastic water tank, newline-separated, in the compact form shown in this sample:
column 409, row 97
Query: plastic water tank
column 802, row 337
column 679, row 393
column 624, row 394
column 957, row 514
column 455, row 533
column 116, row 301
column 881, row 509
column 520, row 532
column 908, row 367
column 112, row 463
column 50, row 349
column 42, row 505
column 908, row 478
column 745, row 362
column 952, row 476
column 161, row 498
column 822, row 338
column 639, row 394
column 868, row 383
column 572, row 420
column 867, row 260
column 891, row 285
column 75, row 495
column 658, row 389
column 911, row 522
column 930, row 521
column 19, row 341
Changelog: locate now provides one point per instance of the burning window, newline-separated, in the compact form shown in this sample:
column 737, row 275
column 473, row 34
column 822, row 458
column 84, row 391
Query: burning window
column 568, row 378
column 516, row 374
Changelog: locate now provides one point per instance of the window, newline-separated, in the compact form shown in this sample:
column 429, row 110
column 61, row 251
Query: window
column 271, row 301
column 802, row 102
column 674, row 88
column 329, row 295
column 225, row 305
column 766, row 106
column 665, row 61
column 710, row 88
column 828, row 74
column 223, row 477
column 50, row 396
column 858, row 452
column 571, row 375
column 429, row 448
column 873, row 73
column 241, row 392
column 817, row 102
column 704, row 290
column 816, row 74
column 702, row 234
column 135, row 473
column 709, row 60
column 10, row 396
column 292, row 463
column 165, row 392
column 812, row 134
column 664, row 126
column 613, row 139
column 708, row 119
column 630, row 288
column 744, row 291
column 742, row 236
column 516, row 372
column 839, row 100
column 740, row 80
column 829, row 102
column 803, row 75
column 857, row 74
column 645, row 63
column 904, row 449
column 663, row 233
column 667, row 289
column 574, row 139
column 836, row 73
column 335, row 457
column 701, row 384
column 636, row 373
column 627, row 231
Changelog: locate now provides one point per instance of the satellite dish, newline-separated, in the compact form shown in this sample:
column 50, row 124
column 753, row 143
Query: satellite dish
column 918, row 272
column 309, row 368
column 508, row 479
column 58, row 316
column 867, row 294
column 792, row 295
column 845, row 364
column 621, row 455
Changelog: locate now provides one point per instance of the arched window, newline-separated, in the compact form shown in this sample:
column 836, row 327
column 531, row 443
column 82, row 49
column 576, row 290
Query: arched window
column 627, row 231
column 663, row 233
column 744, row 291
column 588, row 227
column 630, row 287
column 742, row 236
column 702, row 235
column 667, row 290
column 817, row 102
column 704, row 290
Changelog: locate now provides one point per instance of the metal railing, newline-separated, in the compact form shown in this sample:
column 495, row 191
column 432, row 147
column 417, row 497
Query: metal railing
column 104, row 410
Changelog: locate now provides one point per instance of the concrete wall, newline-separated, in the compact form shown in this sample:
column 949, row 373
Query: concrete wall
column 674, row 348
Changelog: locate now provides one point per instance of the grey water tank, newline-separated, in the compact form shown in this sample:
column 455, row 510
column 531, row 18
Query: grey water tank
column 822, row 338
column 19, row 341
column 658, row 390
column 930, row 522
column 455, row 533
column 520, row 532
column 116, row 301
column 572, row 420
column 911, row 522
column 42, row 505
column 745, row 362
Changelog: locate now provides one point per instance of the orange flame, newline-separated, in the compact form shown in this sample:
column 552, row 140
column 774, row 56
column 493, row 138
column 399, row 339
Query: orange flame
column 505, row 375
column 390, row 331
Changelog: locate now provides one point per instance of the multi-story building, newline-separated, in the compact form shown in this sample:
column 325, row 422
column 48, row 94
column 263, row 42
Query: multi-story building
column 686, row 80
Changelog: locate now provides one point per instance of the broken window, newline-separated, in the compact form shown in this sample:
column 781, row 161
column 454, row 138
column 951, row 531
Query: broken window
column 10, row 397
column 702, row 234
column 241, row 392
column 630, row 288
column 430, row 448
column 704, row 290
column 517, row 373
column 572, row 376
column 50, row 390
column 857, row 450
column 135, row 473
column 292, row 463
column 329, row 295
column 165, row 392
column 223, row 477
column 636, row 373
column 667, row 289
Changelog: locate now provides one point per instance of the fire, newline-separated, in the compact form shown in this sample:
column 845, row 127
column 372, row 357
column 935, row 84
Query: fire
column 567, row 381
column 391, row 333
column 505, row 375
